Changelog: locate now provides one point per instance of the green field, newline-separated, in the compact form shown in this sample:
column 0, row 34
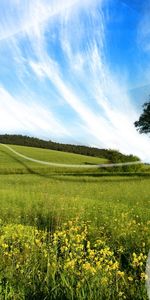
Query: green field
column 71, row 234
column 10, row 163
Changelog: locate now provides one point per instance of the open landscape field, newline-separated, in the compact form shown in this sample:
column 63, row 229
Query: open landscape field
column 74, row 150
column 69, row 233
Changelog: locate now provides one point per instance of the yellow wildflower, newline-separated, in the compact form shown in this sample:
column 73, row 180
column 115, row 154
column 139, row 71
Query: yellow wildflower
column 130, row 278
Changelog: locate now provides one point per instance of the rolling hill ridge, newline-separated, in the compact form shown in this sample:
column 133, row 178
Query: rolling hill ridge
column 111, row 155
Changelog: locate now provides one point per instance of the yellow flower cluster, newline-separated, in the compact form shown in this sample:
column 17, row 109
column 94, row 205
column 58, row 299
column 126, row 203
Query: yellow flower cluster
column 138, row 260
column 65, row 259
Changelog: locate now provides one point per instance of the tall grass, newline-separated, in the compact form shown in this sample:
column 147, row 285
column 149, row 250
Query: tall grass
column 67, row 235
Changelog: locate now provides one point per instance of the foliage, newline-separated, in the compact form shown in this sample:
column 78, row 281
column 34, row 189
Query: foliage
column 65, row 265
column 143, row 124
column 117, row 157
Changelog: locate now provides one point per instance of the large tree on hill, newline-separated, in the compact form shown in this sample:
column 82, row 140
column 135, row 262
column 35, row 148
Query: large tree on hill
column 143, row 124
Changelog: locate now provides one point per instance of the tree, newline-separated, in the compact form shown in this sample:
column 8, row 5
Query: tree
column 143, row 124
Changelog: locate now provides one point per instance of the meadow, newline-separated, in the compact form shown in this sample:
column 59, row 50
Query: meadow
column 71, row 234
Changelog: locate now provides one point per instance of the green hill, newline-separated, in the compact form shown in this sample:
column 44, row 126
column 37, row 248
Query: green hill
column 111, row 155
column 11, row 163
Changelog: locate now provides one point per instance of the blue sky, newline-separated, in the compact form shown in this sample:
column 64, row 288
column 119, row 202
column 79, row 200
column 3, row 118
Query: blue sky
column 75, row 71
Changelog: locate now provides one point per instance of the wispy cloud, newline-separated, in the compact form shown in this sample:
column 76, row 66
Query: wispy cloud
column 27, row 117
column 59, row 46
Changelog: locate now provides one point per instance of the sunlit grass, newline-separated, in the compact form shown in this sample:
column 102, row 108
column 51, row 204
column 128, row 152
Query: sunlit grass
column 110, row 212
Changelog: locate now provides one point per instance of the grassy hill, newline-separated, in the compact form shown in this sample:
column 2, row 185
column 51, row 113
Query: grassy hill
column 11, row 163
column 110, row 154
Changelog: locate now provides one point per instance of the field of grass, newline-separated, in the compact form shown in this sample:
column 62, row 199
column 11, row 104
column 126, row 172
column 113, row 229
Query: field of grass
column 12, row 163
column 71, row 234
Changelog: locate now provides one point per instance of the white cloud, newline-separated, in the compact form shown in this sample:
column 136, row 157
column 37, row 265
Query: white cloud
column 112, row 125
column 23, row 15
column 37, row 69
column 108, row 118
column 115, row 131
column 30, row 117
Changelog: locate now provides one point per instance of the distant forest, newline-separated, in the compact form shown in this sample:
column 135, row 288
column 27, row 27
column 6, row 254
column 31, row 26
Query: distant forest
column 111, row 155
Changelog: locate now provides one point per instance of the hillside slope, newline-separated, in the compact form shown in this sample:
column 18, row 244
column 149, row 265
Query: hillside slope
column 111, row 155
column 9, row 162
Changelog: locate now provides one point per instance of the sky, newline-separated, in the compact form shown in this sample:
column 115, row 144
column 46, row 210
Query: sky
column 76, row 71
